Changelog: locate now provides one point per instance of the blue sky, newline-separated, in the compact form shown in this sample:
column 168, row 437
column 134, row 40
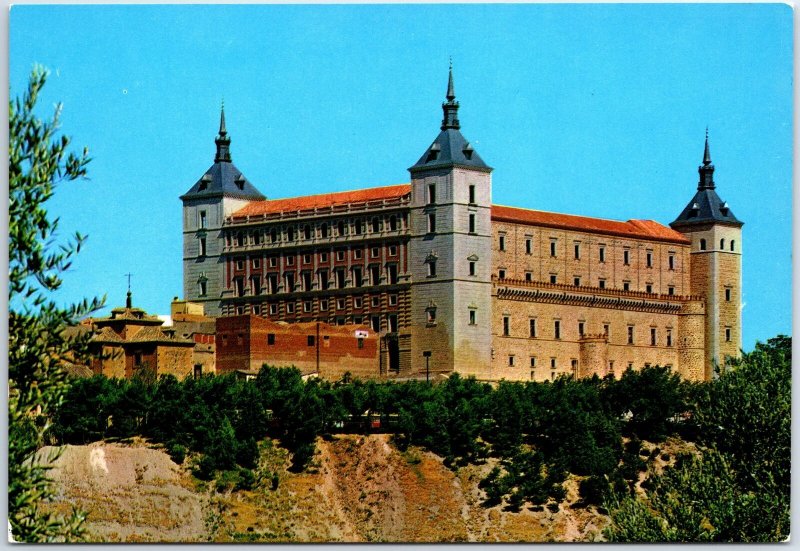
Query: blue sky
column 598, row 110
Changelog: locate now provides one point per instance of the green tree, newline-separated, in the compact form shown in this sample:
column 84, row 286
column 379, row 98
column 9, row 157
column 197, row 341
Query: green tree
column 37, row 344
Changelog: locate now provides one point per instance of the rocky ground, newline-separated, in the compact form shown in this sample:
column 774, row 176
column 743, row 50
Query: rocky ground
column 358, row 489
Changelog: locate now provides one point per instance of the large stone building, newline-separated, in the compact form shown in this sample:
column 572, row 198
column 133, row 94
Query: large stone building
column 453, row 283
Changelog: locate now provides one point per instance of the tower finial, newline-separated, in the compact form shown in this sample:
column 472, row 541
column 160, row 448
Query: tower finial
column 706, row 170
column 222, row 140
column 450, row 107
column 128, row 300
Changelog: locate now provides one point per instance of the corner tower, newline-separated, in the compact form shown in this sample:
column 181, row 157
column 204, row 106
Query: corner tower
column 222, row 190
column 450, row 252
column 716, row 265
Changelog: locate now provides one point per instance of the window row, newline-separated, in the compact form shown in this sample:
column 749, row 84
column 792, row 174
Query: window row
column 533, row 331
column 339, row 255
column 601, row 282
column 721, row 244
column 323, row 230
column 601, row 252
column 338, row 278
column 430, row 195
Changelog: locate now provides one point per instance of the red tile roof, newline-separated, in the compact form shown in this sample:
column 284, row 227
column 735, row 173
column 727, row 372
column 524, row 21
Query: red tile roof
column 257, row 208
column 642, row 229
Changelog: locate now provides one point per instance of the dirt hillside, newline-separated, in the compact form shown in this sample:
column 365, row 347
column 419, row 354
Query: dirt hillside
column 357, row 489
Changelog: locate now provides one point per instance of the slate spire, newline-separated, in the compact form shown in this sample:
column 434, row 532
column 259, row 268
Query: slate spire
column 222, row 140
column 450, row 107
column 706, row 170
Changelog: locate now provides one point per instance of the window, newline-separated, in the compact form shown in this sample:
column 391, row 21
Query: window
column 607, row 330
column 391, row 270
column 528, row 246
column 669, row 337
column 471, row 268
column 340, row 304
column 431, row 268
column 323, row 257
column 255, row 284
column 511, row 361
column 392, row 250
column 392, row 323
column 728, row 295
column 374, row 275
column 376, row 225
column 722, row 244
column 652, row 336
column 323, row 279
column 239, row 282
column 202, row 246
column 577, row 251
column 671, row 260
column 341, row 282
column 601, row 283
column 552, row 247
column 357, row 277
column 203, row 287
column 581, row 326
column 431, row 222
column 626, row 257
column 306, row 232
column 532, row 327
column 472, row 194
column 256, row 238
column 375, row 301
column 727, row 334
column 626, row 285
column 202, row 219
column 306, row 259
column 732, row 243
column 552, row 278
column 393, row 223
column 670, row 290
column 375, row 252
column 239, row 239
column 256, row 262
column 290, row 233
column 471, row 223
column 649, row 288
column 649, row 259
column 375, row 321
column 431, row 194
column 310, row 340
column 528, row 276
column 357, row 254
column 472, row 317
column 574, row 364
column 323, row 305
column 577, row 282
column 506, row 325
column 240, row 264
column 602, row 253
column 552, row 363
column 273, row 261
column 360, row 340
column 306, row 281
column 702, row 244
column 290, row 260
column 323, row 230
column 502, row 242
column 358, row 227
column 533, row 361
column 271, row 339
column 272, row 282
column 557, row 329
column 289, row 282
column 630, row 334
column 340, row 254
column 501, row 274
column 431, row 315
column 273, row 309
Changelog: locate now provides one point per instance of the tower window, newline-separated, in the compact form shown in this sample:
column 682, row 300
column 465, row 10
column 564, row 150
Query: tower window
column 649, row 259
column 581, row 326
column 669, row 337
column 202, row 246
column 602, row 253
column 471, row 223
column 502, row 242
column 728, row 295
column 506, row 326
column 732, row 244
column 553, row 247
column 630, row 334
column 652, row 336
column 431, row 194
column 471, row 268
column 528, row 246
column 626, row 257
column 472, row 317
column 557, row 329
column 722, row 244
column 532, row 324
column 528, row 276
column 501, row 274
column 432, row 223
column 727, row 334
column 203, row 287
column 202, row 219
column 649, row 288
column 511, row 361
column 577, row 282
column 601, row 283
column 577, row 251
column 670, row 290
column 702, row 244
column 626, row 285
column 431, row 313
column 552, row 278
column 472, row 194
column 431, row 268
column 671, row 262
column 552, row 363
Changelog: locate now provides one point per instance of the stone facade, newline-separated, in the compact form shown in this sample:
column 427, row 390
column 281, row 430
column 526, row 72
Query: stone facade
column 448, row 282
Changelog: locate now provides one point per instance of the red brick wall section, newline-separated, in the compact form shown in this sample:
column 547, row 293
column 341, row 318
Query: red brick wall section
column 243, row 343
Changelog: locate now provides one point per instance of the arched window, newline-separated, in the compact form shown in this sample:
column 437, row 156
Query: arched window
column 290, row 234
column 376, row 225
column 732, row 243
column 702, row 244
column 306, row 232
column 323, row 230
column 722, row 244
column 340, row 228
column 273, row 235
column 393, row 222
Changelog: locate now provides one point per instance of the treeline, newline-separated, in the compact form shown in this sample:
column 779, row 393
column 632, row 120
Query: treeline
column 539, row 431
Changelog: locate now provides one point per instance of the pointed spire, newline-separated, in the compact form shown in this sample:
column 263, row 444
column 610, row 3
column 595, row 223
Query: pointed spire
column 222, row 140
column 706, row 170
column 450, row 107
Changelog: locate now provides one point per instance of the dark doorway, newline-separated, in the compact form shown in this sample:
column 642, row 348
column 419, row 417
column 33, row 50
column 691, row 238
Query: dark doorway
column 394, row 354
